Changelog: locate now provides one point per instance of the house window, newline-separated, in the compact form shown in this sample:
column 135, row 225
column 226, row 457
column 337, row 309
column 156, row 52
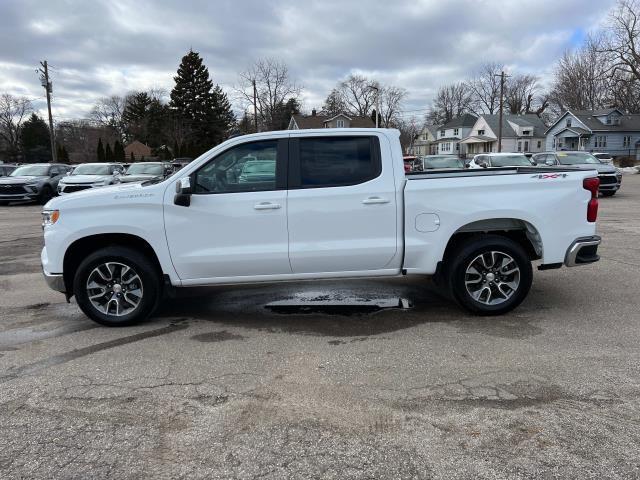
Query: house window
column 455, row 131
column 526, row 145
column 569, row 122
column 480, row 132
column 442, row 133
column 539, row 144
column 526, row 132
column 340, row 123
column 519, row 146
column 608, row 120
column 457, row 147
column 626, row 141
column 601, row 141
column 554, row 143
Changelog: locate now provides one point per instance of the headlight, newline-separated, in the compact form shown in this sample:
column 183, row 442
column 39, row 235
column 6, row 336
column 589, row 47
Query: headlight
column 49, row 217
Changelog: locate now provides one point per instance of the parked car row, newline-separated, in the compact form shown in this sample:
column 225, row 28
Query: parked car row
column 41, row 181
column 610, row 177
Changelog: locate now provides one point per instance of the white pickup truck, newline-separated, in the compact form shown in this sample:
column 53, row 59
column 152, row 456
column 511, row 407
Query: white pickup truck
column 317, row 204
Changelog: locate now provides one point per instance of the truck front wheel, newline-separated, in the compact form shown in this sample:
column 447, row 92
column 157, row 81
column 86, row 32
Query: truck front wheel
column 117, row 286
column 490, row 275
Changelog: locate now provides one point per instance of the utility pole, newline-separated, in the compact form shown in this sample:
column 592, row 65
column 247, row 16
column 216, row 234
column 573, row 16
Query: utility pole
column 502, row 77
column 377, row 90
column 46, row 83
column 255, row 105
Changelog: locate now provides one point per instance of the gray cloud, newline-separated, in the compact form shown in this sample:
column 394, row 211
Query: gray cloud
column 100, row 48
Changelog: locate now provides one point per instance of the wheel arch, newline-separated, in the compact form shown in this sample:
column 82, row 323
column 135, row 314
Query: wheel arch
column 84, row 246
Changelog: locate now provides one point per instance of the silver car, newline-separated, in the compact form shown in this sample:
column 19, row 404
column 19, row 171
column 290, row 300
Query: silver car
column 90, row 175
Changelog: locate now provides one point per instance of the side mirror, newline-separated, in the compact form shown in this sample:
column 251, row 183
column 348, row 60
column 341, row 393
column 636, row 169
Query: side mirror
column 549, row 163
column 68, row 173
column 116, row 172
column 183, row 192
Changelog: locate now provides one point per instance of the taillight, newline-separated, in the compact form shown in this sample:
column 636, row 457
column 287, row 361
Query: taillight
column 592, row 185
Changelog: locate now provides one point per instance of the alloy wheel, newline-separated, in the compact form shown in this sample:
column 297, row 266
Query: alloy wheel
column 114, row 288
column 492, row 277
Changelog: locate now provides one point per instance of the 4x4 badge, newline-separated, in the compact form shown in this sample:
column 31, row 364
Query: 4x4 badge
column 545, row 176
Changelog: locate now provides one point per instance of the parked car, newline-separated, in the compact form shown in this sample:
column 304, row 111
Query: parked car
column 146, row 171
column 486, row 160
column 6, row 169
column 90, row 175
column 337, row 205
column 439, row 162
column 610, row 177
column 181, row 162
column 37, row 181
column 604, row 157
column 409, row 163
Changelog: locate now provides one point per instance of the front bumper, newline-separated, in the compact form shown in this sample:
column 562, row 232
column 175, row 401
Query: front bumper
column 55, row 281
column 610, row 182
column 582, row 251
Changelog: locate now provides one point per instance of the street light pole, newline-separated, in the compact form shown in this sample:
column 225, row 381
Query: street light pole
column 46, row 83
column 377, row 90
column 502, row 77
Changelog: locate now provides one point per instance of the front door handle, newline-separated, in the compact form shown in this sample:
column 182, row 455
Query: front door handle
column 374, row 200
column 267, row 206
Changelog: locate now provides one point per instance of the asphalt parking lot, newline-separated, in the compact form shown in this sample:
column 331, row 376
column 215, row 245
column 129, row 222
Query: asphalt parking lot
column 327, row 379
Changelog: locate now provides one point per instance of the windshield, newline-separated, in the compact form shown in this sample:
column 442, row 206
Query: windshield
column 94, row 169
column 31, row 170
column 442, row 161
column 509, row 161
column 145, row 169
column 576, row 158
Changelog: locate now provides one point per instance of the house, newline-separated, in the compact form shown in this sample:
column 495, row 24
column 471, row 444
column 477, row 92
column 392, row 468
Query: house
column 320, row 120
column 520, row 133
column 609, row 130
column 425, row 141
column 451, row 133
column 138, row 149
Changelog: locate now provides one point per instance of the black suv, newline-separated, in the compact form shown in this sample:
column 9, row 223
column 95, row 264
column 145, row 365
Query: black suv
column 610, row 177
column 36, row 181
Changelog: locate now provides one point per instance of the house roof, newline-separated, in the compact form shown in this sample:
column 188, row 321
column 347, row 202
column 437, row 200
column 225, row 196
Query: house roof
column 628, row 122
column 466, row 120
column 318, row 121
column 526, row 120
column 478, row 139
column 138, row 149
column 447, row 139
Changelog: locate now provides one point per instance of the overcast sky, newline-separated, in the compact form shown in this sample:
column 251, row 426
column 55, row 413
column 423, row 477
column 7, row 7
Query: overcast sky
column 99, row 48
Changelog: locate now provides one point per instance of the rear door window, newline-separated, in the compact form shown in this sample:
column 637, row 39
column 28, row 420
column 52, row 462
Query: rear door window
column 334, row 161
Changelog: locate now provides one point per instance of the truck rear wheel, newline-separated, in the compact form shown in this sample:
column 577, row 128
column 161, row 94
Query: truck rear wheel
column 117, row 286
column 489, row 275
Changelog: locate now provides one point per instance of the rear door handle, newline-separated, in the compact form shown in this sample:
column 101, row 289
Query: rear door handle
column 266, row 206
column 374, row 200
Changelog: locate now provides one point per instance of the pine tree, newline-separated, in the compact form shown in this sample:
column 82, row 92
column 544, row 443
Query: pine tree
column 118, row 152
column 100, row 151
column 204, row 112
column 108, row 154
column 64, row 158
column 35, row 140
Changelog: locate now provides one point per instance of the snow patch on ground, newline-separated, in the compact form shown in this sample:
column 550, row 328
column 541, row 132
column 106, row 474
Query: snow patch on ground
column 629, row 170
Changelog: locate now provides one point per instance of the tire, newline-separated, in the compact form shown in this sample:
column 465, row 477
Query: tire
column 3, row 203
column 46, row 194
column 490, row 291
column 104, row 271
column 609, row 193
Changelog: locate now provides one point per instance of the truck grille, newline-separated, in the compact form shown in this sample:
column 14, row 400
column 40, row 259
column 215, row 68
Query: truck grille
column 607, row 179
column 74, row 188
column 12, row 190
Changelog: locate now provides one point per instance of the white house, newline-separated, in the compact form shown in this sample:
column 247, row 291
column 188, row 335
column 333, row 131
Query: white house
column 425, row 141
column 609, row 130
column 451, row 133
column 520, row 133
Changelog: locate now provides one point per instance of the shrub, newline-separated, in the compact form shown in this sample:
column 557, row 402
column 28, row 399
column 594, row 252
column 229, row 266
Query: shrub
column 626, row 162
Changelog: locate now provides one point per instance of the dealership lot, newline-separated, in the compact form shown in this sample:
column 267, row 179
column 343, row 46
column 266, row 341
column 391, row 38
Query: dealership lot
column 327, row 379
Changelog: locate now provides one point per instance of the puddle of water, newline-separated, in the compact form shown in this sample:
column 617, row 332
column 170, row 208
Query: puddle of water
column 335, row 304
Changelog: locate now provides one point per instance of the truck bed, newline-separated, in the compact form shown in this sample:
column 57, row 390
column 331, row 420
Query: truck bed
column 481, row 172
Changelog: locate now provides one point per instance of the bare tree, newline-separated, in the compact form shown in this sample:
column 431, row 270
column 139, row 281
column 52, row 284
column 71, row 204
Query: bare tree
column 409, row 130
column 451, row 101
column 108, row 112
column 81, row 137
column 623, row 38
column 582, row 79
column 391, row 98
column 13, row 111
column 523, row 95
column 358, row 94
column 334, row 103
column 274, row 89
column 485, row 88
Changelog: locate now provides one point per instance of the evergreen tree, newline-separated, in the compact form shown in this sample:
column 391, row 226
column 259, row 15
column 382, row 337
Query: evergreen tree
column 108, row 154
column 118, row 152
column 35, row 140
column 203, row 112
column 100, row 151
column 64, row 158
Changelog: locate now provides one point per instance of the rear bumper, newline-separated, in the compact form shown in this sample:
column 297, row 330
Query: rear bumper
column 583, row 250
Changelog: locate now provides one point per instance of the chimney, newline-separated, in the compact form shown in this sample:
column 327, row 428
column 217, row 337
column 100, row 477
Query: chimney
column 313, row 112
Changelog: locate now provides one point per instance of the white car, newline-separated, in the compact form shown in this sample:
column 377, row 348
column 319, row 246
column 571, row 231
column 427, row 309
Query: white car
column 605, row 158
column 486, row 160
column 90, row 175
column 337, row 204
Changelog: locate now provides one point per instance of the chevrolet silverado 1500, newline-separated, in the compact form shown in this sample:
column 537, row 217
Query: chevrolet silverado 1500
column 317, row 204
